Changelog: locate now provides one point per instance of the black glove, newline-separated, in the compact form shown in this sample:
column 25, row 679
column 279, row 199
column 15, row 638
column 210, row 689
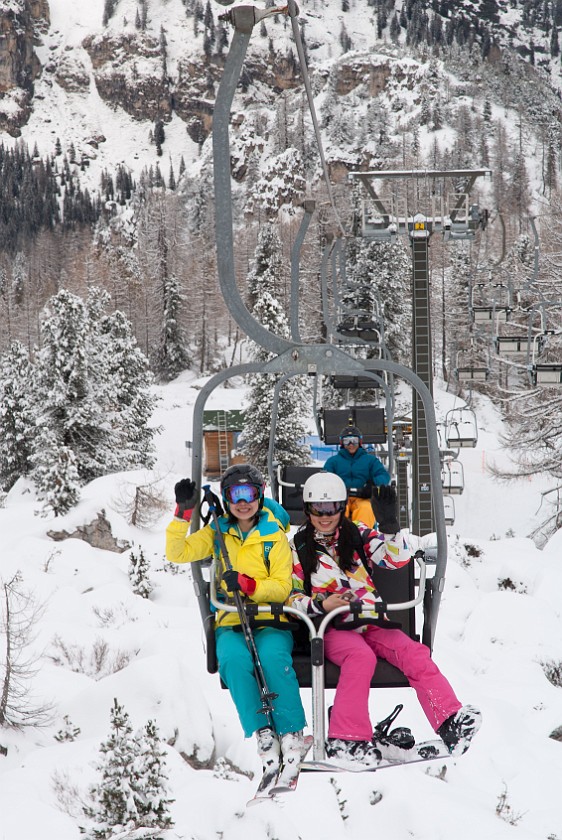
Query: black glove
column 384, row 504
column 235, row 582
column 186, row 498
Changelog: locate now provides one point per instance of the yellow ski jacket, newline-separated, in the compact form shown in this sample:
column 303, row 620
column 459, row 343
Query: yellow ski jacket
column 264, row 555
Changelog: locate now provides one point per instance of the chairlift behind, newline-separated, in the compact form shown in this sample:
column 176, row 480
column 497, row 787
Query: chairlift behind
column 510, row 345
column 544, row 373
column 461, row 428
column 449, row 505
column 452, row 477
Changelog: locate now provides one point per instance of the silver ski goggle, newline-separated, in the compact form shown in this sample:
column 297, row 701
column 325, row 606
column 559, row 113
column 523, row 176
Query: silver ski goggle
column 350, row 440
column 324, row 508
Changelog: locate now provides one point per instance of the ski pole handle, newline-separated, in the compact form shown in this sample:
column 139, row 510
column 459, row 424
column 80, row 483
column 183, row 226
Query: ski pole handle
column 208, row 495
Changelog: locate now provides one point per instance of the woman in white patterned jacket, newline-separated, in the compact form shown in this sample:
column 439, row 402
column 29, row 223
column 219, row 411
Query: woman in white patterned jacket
column 331, row 556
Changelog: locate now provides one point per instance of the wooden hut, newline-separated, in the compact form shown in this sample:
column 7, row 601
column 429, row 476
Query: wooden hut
column 220, row 434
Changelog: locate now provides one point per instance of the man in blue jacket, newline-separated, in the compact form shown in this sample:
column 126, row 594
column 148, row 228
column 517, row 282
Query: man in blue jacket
column 360, row 471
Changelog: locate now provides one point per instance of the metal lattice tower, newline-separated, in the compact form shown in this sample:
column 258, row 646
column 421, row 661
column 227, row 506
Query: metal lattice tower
column 399, row 213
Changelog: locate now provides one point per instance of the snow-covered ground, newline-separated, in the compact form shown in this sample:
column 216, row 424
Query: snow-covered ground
column 499, row 623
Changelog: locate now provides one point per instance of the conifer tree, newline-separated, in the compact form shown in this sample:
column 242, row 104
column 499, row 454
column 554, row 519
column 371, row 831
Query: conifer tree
column 174, row 355
column 379, row 276
column 91, row 392
column 129, row 371
column 55, row 473
column 132, row 792
column 73, row 392
column 138, row 572
column 264, row 285
column 19, row 617
column 17, row 426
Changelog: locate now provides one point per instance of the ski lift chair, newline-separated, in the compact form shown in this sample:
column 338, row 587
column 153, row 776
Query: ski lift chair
column 472, row 374
column 461, row 428
column 544, row 373
column 510, row 345
column 369, row 419
column 395, row 586
column 344, row 382
column 452, row 477
column 361, row 325
column 469, row 368
column 449, row 506
column 488, row 314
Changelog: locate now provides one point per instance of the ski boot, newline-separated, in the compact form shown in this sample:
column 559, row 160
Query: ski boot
column 361, row 752
column 458, row 730
column 269, row 750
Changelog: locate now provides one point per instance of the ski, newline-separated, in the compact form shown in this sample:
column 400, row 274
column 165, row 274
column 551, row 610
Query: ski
column 266, row 784
column 289, row 773
column 391, row 756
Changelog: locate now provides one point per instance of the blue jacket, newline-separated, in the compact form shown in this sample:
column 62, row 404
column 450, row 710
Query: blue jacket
column 356, row 470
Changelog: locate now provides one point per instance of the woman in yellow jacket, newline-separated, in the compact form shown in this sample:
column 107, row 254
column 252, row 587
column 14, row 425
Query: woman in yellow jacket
column 262, row 566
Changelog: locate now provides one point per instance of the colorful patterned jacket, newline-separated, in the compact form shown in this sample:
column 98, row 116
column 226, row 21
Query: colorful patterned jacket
column 392, row 552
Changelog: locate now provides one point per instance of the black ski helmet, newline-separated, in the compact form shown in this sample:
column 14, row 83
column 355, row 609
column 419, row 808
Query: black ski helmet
column 241, row 474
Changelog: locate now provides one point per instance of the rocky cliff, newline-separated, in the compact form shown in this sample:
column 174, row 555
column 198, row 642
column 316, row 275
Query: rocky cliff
column 21, row 25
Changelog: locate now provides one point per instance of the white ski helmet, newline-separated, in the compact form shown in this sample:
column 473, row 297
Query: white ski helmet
column 324, row 487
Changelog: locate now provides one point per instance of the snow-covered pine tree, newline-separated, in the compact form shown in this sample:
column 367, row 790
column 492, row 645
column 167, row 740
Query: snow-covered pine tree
column 91, row 393
column 55, row 473
column 132, row 792
column 264, row 285
column 74, row 390
column 128, row 367
column 138, row 572
column 154, row 803
column 17, row 425
column 174, row 356
column 381, row 271
column 67, row 732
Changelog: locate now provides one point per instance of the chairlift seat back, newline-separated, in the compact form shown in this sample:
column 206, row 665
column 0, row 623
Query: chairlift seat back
column 369, row 419
column 291, row 497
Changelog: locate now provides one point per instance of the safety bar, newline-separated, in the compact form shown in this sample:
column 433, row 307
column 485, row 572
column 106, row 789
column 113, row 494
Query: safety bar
column 316, row 636
column 265, row 608
column 285, row 483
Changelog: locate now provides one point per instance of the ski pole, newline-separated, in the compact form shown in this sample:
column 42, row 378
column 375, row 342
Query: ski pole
column 267, row 696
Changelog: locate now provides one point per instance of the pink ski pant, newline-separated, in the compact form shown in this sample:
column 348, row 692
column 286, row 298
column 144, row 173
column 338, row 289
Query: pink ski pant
column 356, row 655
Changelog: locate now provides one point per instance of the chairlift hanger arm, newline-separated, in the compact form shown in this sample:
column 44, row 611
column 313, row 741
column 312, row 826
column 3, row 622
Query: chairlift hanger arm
column 223, row 197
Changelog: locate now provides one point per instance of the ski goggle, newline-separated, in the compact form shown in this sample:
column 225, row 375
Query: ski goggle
column 242, row 493
column 350, row 440
column 324, row 508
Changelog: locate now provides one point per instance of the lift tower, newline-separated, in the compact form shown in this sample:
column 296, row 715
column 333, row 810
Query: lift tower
column 416, row 203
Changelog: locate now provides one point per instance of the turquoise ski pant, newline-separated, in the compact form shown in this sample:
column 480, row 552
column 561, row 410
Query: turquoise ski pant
column 237, row 672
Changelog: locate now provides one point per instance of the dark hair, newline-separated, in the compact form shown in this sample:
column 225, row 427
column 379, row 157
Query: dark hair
column 308, row 554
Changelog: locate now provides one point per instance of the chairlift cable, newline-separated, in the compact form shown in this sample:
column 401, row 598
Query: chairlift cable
column 293, row 12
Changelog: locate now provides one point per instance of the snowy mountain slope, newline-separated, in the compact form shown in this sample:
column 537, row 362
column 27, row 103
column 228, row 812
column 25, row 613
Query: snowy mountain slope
column 80, row 57
column 499, row 624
